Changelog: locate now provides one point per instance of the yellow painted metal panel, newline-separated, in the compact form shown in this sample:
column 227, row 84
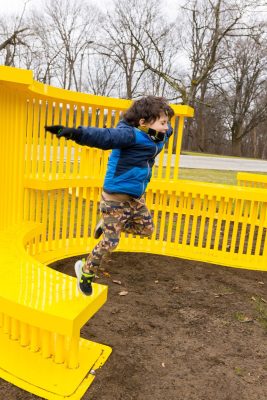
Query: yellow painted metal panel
column 46, row 378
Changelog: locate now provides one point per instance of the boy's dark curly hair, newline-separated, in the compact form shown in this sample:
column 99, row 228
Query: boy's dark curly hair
column 149, row 108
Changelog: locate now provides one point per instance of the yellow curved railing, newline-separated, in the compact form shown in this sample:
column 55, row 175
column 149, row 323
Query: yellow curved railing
column 50, row 191
column 253, row 180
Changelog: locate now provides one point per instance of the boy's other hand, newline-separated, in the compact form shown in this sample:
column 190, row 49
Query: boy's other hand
column 61, row 131
column 54, row 129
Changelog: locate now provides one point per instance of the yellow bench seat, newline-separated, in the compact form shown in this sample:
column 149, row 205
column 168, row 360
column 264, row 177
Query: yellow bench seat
column 41, row 314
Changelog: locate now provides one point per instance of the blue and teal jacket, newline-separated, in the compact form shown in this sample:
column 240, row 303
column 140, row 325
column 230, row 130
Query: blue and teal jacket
column 131, row 160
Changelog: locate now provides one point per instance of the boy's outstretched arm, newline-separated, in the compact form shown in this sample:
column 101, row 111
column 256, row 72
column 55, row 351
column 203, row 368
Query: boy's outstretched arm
column 102, row 138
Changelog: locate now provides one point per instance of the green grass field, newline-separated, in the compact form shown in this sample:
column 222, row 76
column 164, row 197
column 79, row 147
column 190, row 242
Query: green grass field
column 208, row 175
column 211, row 175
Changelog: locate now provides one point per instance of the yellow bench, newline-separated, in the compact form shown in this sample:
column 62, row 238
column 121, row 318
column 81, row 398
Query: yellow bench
column 251, row 180
column 41, row 314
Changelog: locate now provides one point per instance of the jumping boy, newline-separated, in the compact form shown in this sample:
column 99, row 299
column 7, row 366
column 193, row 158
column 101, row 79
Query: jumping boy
column 135, row 142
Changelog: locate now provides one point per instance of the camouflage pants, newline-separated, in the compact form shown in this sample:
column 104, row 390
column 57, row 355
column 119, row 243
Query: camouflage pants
column 131, row 216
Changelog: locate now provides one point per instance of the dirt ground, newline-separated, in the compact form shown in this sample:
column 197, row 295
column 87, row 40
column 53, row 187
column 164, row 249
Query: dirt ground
column 185, row 331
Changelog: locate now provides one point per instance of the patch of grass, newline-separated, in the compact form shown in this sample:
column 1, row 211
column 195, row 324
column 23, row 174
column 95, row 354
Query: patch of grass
column 239, row 316
column 261, row 308
column 208, row 175
column 202, row 175
column 239, row 371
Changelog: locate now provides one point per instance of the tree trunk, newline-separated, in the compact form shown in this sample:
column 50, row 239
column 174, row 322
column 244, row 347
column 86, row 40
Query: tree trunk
column 236, row 147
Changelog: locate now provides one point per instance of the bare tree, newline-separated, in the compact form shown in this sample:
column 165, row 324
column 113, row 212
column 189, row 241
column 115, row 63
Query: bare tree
column 14, row 33
column 65, row 31
column 131, row 23
column 101, row 77
column 243, row 87
column 205, row 26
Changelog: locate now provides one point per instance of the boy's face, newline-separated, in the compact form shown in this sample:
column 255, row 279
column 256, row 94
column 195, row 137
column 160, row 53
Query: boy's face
column 160, row 125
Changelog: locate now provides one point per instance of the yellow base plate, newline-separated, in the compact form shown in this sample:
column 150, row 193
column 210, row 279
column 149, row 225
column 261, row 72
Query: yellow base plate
column 43, row 377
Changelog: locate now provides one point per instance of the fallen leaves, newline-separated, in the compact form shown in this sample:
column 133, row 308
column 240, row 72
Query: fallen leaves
column 223, row 294
column 117, row 282
column 259, row 299
column 123, row 293
column 241, row 317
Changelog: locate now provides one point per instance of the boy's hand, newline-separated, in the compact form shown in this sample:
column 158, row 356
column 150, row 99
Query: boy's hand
column 54, row 129
column 61, row 131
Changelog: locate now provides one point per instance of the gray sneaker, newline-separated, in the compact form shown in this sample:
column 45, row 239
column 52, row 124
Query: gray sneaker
column 84, row 279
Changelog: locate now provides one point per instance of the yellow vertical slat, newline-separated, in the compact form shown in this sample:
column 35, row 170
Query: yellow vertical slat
column 59, row 349
column 55, row 142
column 187, row 211
column 228, row 215
column 51, row 220
column 34, row 339
column 169, row 158
column 178, row 147
column 28, row 154
column 48, row 140
column 46, row 343
column 170, row 222
column 35, row 131
column 163, row 217
column 38, row 206
column 66, row 143
column 221, row 205
column 76, row 148
column 155, row 214
column 101, row 117
column 109, row 116
column 95, row 209
column 7, row 324
column 262, row 225
column 72, row 215
column 45, row 218
column 117, row 117
column 73, row 352
column 65, row 208
column 204, row 212
column 93, row 116
column 161, row 171
column 195, row 214
column 211, row 212
column 32, row 205
column 236, row 218
column 253, row 217
column 58, row 219
column 24, row 334
column 68, row 151
column 14, row 329
column 79, row 213
column 42, row 110
column 244, row 220
column 87, row 214
column 179, row 218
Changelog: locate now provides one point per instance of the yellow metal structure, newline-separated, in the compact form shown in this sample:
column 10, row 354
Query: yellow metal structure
column 251, row 180
column 50, row 192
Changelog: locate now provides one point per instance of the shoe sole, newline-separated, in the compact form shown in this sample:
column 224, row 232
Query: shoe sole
column 98, row 230
column 78, row 271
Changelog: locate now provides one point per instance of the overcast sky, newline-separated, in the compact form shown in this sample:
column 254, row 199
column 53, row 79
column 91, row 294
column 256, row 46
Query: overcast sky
column 16, row 6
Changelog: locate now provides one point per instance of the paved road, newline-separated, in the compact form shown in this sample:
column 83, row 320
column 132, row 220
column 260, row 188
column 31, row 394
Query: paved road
column 229, row 164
